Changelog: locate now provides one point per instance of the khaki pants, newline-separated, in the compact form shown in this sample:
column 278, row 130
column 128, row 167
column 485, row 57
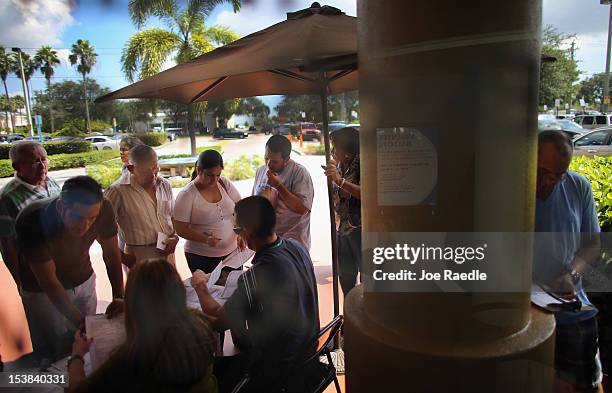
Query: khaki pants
column 142, row 253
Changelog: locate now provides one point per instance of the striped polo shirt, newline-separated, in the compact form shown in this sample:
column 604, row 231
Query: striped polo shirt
column 16, row 195
column 140, row 218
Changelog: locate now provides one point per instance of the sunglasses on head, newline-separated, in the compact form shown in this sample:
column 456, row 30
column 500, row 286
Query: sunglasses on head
column 237, row 230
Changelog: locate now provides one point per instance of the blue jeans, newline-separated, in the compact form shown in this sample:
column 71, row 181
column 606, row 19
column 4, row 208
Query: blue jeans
column 349, row 259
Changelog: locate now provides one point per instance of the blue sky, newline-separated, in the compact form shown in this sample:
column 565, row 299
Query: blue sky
column 106, row 24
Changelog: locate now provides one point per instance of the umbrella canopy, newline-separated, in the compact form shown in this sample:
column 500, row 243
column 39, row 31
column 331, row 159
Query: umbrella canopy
column 287, row 58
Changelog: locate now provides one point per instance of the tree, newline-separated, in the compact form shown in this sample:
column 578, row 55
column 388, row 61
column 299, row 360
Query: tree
column 557, row 79
column 70, row 106
column 13, row 104
column 84, row 56
column 256, row 108
column 29, row 68
column 591, row 89
column 186, row 38
column 6, row 67
column 46, row 59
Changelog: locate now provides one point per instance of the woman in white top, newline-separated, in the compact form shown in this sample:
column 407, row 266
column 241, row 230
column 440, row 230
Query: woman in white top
column 203, row 214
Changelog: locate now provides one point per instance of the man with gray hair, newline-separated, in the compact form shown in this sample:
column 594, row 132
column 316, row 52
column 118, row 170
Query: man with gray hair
column 567, row 245
column 143, row 204
column 31, row 183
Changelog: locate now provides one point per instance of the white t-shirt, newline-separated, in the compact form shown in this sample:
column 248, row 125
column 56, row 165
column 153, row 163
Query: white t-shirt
column 298, row 181
column 206, row 217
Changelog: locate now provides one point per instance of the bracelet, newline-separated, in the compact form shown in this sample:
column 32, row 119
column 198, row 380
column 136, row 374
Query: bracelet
column 74, row 357
column 342, row 184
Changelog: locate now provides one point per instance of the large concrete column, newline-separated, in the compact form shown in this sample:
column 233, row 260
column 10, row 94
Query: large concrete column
column 469, row 70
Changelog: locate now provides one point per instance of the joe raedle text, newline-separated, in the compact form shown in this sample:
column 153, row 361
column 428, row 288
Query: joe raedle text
column 425, row 263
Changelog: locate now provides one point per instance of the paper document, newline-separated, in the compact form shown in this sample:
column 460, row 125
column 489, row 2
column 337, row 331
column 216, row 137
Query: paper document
column 108, row 334
column 223, row 280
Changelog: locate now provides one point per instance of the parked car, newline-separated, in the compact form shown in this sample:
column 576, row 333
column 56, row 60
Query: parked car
column 548, row 123
column 571, row 129
column 595, row 143
column 66, row 139
column 566, row 116
column 223, row 133
column 354, row 125
column 103, row 142
column 12, row 138
column 252, row 129
column 173, row 133
column 45, row 138
column 594, row 121
column 282, row 129
column 309, row 131
column 336, row 125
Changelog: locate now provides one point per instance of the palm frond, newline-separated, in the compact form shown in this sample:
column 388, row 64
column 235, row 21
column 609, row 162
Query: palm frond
column 141, row 10
column 83, row 56
column 205, row 7
column 146, row 51
column 46, row 59
column 221, row 35
column 200, row 44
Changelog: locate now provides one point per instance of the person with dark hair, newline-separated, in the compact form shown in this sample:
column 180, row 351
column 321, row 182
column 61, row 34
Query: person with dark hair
column 168, row 347
column 58, row 282
column 143, row 204
column 344, row 171
column 288, row 186
column 31, row 183
column 567, row 245
column 274, row 313
column 203, row 214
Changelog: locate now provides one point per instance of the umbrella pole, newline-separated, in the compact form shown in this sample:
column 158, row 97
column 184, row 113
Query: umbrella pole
column 332, row 210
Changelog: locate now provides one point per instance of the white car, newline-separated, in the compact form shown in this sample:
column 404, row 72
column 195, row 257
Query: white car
column 103, row 142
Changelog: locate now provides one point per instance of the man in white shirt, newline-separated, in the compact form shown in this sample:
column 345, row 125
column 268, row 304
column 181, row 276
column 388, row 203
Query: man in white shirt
column 143, row 205
column 289, row 188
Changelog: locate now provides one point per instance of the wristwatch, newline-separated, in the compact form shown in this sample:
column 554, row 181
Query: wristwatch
column 574, row 274
column 74, row 357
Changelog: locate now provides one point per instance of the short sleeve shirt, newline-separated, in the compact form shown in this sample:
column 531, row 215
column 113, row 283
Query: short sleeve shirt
column 298, row 181
column 283, row 316
column 41, row 237
column 16, row 195
column 560, row 219
column 206, row 217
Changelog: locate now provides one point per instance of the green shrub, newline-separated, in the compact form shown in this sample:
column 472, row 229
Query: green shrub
column 315, row 149
column 179, row 182
column 69, row 147
column 105, row 173
column 99, row 125
column 6, row 169
column 71, row 128
column 243, row 167
column 598, row 171
column 79, row 160
column 152, row 138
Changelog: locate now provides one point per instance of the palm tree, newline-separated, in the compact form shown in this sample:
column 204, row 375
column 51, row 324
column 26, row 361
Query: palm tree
column 46, row 59
column 186, row 38
column 29, row 68
column 6, row 67
column 84, row 57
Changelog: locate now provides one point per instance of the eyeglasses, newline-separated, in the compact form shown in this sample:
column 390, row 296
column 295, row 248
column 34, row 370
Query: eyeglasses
column 237, row 230
column 40, row 161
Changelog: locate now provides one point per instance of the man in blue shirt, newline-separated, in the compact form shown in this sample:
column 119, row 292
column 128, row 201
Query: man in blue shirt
column 274, row 313
column 567, row 245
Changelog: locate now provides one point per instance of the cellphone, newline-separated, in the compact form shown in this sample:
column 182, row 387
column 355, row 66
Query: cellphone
column 323, row 166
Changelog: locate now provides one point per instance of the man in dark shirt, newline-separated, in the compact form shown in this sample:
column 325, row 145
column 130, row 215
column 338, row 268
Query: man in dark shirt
column 274, row 313
column 58, row 282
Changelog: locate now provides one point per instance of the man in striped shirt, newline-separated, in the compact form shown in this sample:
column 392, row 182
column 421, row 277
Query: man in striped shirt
column 143, row 204
column 31, row 183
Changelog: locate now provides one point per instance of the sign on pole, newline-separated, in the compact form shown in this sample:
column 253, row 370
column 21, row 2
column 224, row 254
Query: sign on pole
column 557, row 102
column 582, row 103
column 39, row 127
column 114, row 126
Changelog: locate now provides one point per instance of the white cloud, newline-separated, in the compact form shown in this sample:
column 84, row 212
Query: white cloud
column 257, row 15
column 32, row 23
column 63, row 56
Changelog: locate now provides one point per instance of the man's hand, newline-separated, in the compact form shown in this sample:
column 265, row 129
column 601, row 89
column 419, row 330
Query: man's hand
column 81, row 344
column 564, row 287
column 199, row 281
column 273, row 179
column 171, row 243
column 116, row 307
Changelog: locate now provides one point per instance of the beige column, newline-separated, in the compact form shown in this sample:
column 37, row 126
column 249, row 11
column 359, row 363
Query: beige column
column 469, row 70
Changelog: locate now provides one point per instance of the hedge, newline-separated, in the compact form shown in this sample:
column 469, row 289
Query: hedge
column 69, row 147
column 67, row 161
column 152, row 138
column 598, row 171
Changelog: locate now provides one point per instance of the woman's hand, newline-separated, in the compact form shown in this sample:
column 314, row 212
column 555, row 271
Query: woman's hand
column 81, row 344
column 199, row 281
column 331, row 171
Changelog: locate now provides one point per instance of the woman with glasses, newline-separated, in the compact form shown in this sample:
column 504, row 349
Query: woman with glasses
column 203, row 214
column 343, row 170
column 168, row 347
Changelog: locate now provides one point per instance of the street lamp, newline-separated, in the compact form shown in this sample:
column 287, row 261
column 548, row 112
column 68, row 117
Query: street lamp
column 606, row 97
column 26, row 95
